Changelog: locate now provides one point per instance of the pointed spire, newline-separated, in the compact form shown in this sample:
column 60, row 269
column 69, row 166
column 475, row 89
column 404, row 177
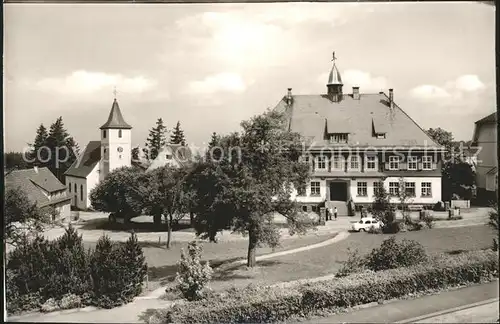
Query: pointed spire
column 115, row 119
column 334, row 77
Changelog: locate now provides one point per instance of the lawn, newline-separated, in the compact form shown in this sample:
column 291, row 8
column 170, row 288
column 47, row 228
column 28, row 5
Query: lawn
column 327, row 260
column 162, row 263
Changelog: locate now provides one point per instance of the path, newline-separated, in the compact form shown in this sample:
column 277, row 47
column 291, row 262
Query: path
column 409, row 310
column 130, row 313
column 482, row 312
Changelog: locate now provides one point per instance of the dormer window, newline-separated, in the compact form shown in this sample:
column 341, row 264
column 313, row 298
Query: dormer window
column 338, row 138
column 380, row 135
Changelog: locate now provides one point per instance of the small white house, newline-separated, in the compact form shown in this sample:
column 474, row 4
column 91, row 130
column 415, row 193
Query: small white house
column 174, row 155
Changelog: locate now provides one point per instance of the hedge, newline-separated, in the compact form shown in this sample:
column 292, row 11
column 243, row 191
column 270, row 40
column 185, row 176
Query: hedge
column 278, row 304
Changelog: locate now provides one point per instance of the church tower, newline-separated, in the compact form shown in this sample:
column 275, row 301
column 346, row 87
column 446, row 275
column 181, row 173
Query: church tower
column 116, row 142
column 334, row 84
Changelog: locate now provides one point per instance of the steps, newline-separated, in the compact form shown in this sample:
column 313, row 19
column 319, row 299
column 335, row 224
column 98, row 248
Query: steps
column 341, row 207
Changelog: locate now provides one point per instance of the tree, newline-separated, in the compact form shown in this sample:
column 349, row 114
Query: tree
column 15, row 161
column 21, row 216
column 132, row 259
column 214, row 140
column 254, row 179
column 441, row 136
column 383, row 210
column 178, row 135
column 62, row 149
column 458, row 178
column 155, row 141
column 165, row 194
column 119, row 193
column 192, row 276
column 135, row 154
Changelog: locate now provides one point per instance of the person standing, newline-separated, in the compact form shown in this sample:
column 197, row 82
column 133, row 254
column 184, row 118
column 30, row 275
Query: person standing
column 330, row 212
column 335, row 213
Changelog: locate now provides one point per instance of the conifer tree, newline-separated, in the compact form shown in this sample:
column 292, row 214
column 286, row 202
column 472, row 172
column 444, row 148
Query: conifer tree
column 135, row 154
column 133, row 260
column 156, row 140
column 62, row 149
column 38, row 156
column 178, row 135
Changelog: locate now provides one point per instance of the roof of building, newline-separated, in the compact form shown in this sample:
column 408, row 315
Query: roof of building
column 31, row 181
column 86, row 162
column 115, row 119
column 181, row 154
column 493, row 170
column 307, row 114
column 492, row 118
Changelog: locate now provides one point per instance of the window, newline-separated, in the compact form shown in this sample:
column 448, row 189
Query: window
column 410, row 189
column 368, row 222
column 338, row 138
column 119, row 156
column 304, row 208
column 81, row 192
column 337, row 162
column 393, row 162
column 394, row 189
column 69, row 186
column 301, row 191
column 120, row 133
column 104, row 134
column 315, row 188
column 371, row 163
column 354, row 162
column 427, row 162
column 321, row 162
column 412, row 162
column 75, row 188
column 314, row 209
column 169, row 157
column 380, row 135
column 362, row 189
column 426, row 189
column 376, row 186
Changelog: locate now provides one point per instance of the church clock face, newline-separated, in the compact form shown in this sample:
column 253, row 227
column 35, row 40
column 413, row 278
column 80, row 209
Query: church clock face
column 120, row 149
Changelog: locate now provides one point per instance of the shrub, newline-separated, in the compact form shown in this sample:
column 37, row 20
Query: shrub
column 272, row 304
column 192, row 277
column 355, row 263
column 493, row 217
column 495, row 245
column 134, row 265
column 429, row 221
column 70, row 301
column 392, row 254
column 373, row 230
column 391, row 227
column 50, row 305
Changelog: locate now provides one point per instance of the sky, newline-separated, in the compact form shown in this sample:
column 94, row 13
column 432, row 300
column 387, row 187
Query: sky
column 211, row 66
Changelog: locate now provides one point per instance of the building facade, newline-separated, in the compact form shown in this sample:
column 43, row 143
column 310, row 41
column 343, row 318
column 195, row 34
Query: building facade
column 353, row 141
column 485, row 141
column 99, row 158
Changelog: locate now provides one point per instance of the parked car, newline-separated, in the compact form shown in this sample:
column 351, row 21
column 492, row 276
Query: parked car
column 365, row 224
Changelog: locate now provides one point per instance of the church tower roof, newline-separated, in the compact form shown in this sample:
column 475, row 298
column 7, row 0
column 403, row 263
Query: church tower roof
column 334, row 77
column 115, row 119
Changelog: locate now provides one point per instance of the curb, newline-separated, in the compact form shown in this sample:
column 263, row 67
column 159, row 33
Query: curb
column 450, row 310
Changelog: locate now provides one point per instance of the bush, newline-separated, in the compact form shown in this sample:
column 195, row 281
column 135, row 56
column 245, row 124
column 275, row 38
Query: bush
column 373, row 230
column 355, row 263
column 392, row 254
column 50, row 305
column 192, row 277
column 70, row 301
column 279, row 304
column 429, row 221
column 391, row 227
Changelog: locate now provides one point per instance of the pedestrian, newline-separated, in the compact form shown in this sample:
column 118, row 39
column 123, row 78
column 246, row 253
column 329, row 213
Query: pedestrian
column 335, row 213
column 330, row 212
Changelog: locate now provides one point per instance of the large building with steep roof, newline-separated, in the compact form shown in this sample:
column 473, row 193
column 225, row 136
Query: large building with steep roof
column 43, row 188
column 99, row 158
column 355, row 140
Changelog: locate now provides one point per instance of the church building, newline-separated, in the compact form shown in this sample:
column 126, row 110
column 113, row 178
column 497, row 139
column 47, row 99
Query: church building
column 99, row 158
column 355, row 140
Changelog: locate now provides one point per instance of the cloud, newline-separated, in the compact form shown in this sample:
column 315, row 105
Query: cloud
column 429, row 92
column 451, row 90
column 221, row 82
column 83, row 82
column 355, row 78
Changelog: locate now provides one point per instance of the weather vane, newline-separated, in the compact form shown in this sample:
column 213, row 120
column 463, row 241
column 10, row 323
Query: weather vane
column 334, row 58
column 114, row 91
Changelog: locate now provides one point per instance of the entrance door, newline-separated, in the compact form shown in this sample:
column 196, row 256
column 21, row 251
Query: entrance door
column 338, row 191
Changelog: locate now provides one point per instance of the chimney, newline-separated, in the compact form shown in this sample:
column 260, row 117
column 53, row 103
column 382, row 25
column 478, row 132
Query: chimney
column 355, row 93
column 391, row 98
column 289, row 97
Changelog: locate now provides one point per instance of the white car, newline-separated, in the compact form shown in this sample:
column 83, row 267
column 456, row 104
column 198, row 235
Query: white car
column 365, row 224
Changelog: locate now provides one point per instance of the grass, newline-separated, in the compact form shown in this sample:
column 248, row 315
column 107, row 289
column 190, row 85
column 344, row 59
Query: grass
column 162, row 263
column 327, row 260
